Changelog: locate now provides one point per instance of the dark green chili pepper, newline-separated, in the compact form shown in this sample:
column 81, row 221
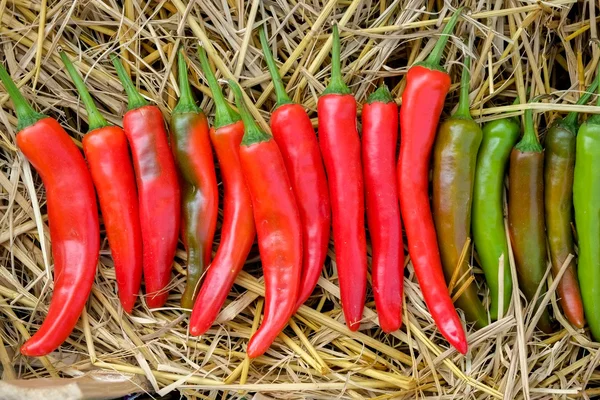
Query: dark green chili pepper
column 558, row 200
column 489, row 234
column 526, row 214
column 586, row 199
column 454, row 158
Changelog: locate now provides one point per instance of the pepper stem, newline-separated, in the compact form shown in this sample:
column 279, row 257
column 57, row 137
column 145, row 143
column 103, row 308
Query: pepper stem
column 252, row 133
column 434, row 58
column 530, row 142
column 282, row 96
column 26, row 115
column 186, row 102
column 463, row 110
column 571, row 118
column 135, row 99
column 381, row 95
column 224, row 114
column 95, row 119
column 336, row 84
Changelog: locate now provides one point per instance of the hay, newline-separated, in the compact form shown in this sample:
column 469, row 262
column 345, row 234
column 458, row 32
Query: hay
column 544, row 46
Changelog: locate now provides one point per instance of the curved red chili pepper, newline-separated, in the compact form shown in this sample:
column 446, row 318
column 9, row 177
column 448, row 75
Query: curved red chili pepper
column 159, row 196
column 379, row 142
column 200, row 195
column 237, row 232
column 277, row 224
column 72, row 216
column 295, row 137
column 107, row 154
column 422, row 102
column 340, row 146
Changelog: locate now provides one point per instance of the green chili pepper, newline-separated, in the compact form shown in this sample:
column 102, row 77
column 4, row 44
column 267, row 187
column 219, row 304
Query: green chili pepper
column 454, row 158
column 586, row 199
column 558, row 200
column 489, row 235
column 526, row 223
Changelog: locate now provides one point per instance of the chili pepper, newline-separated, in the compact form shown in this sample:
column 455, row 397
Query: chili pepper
column 340, row 147
column 526, row 213
column 72, row 216
column 158, row 188
column 454, row 158
column 277, row 222
column 586, row 201
column 379, row 142
column 295, row 137
column 200, row 195
column 558, row 199
column 107, row 153
column 489, row 234
column 427, row 84
column 237, row 232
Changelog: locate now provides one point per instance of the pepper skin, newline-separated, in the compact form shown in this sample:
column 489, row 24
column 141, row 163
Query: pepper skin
column 200, row 194
column 586, row 201
column 526, row 214
column 558, row 200
column 278, row 227
column 489, row 234
column 340, row 146
column 237, row 231
column 107, row 153
column 295, row 137
column 72, row 216
column 454, row 159
column 158, row 188
column 379, row 143
column 422, row 102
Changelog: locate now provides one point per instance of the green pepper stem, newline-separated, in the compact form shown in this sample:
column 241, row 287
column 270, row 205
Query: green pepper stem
column 186, row 102
column 26, row 115
column 224, row 114
column 282, row 96
column 252, row 133
column 95, row 119
column 434, row 58
column 135, row 99
column 381, row 95
column 336, row 83
column 463, row 110
column 530, row 142
column 571, row 118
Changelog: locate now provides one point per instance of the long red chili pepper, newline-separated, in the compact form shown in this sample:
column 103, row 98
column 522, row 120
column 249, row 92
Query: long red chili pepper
column 72, row 215
column 200, row 195
column 277, row 224
column 427, row 84
column 340, row 146
column 237, row 232
column 159, row 196
column 298, row 143
column 379, row 142
column 107, row 154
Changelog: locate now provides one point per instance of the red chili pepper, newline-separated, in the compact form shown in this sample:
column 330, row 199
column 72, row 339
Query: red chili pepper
column 200, row 194
column 237, row 232
column 277, row 224
column 379, row 141
column 159, row 196
column 297, row 141
column 427, row 84
column 72, row 216
column 107, row 154
column 340, row 146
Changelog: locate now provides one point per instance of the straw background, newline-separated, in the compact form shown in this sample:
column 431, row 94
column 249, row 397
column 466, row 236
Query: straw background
column 548, row 46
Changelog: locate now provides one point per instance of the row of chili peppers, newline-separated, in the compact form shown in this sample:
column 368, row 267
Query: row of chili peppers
column 289, row 188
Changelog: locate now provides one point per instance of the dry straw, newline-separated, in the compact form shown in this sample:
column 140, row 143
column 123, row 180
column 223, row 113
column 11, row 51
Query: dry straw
column 517, row 44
